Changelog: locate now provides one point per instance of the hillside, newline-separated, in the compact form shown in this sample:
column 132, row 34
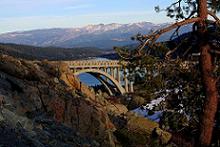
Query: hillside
column 43, row 104
column 49, row 53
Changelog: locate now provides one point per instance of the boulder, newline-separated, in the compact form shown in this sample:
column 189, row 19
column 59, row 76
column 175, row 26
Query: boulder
column 116, row 109
column 13, row 119
column 74, row 82
column 140, row 131
column 136, row 101
column 88, row 119
column 132, row 101
column 164, row 136
column 136, row 123
column 50, row 134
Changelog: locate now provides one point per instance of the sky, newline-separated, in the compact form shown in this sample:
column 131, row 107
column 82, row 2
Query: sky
column 19, row 15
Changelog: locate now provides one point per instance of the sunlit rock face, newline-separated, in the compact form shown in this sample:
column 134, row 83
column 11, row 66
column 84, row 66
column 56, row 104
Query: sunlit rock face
column 35, row 98
column 41, row 104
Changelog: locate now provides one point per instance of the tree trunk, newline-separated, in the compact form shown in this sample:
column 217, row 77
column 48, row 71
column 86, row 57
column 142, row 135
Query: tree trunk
column 209, row 81
column 211, row 102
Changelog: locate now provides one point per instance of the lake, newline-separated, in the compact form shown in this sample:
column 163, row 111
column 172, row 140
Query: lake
column 88, row 79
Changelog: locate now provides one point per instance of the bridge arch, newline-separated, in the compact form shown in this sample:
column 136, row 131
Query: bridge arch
column 96, row 71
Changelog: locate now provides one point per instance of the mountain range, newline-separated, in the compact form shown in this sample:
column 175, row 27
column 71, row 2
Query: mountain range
column 103, row 36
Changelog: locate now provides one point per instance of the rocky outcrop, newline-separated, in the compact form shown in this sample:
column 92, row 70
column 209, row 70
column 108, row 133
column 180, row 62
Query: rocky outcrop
column 115, row 109
column 132, row 101
column 33, row 90
column 45, row 133
column 88, row 119
column 72, row 81
column 138, row 131
column 41, row 104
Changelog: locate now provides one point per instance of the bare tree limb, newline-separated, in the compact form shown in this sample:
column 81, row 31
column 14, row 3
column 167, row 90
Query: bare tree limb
column 173, row 50
column 217, row 79
column 175, row 33
column 153, row 37
column 170, row 52
column 124, row 57
column 214, row 16
column 169, row 28
column 184, row 54
column 215, row 52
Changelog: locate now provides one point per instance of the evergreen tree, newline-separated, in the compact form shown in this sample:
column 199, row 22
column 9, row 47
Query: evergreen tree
column 205, row 42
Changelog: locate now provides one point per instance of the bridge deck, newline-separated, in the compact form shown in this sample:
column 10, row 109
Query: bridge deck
column 94, row 63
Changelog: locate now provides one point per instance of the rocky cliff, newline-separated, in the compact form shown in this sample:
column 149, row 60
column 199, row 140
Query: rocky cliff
column 41, row 104
column 41, row 107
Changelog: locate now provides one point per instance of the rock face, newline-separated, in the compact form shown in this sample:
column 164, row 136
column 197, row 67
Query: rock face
column 72, row 81
column 35, row 97
column 138, row 131
column 41, row 104
column 116, row 109
column 48, row 134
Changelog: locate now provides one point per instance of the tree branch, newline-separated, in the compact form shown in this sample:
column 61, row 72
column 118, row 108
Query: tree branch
column 169, row 28
column 184, row 54
column 175, row 33
column 214, row 16
column 215, row 52
column 217, row 79
column 170, row 52
column 153, row 37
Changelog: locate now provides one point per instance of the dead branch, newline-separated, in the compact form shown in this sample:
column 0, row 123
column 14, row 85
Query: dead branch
column 169, row 28
column 122, row 54
column 153, row 37
column 170, row 52
column 217, row 79
column 184, row 54
column 214, row 16
column 175, row 33
column 123, row 57
column 173, row 50
column 215, row 52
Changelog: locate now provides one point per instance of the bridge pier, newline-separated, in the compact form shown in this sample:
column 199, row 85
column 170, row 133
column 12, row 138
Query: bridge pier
column 126, row 83
column 131, row 86
column 112, row 72
column 105, row 69
column 118, row 75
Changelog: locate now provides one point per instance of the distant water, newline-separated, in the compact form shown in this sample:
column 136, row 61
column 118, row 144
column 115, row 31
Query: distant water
column 88, row 79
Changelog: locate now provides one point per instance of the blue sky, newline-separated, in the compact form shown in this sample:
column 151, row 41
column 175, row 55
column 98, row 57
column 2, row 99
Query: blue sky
column 18, row 15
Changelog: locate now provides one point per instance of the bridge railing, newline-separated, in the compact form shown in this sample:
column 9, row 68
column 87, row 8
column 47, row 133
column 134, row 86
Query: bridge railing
column 94, row 63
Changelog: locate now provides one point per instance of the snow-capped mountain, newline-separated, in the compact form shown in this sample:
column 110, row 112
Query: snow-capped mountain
column 103, row 36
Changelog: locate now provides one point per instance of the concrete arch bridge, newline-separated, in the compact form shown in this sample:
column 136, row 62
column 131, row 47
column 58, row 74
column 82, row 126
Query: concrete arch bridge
column 111, row 73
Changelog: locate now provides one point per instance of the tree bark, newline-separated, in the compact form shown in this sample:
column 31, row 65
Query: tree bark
column 211, row 102
column 209, row 81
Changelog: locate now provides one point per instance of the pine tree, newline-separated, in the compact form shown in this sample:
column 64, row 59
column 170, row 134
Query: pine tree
column 194, row 12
